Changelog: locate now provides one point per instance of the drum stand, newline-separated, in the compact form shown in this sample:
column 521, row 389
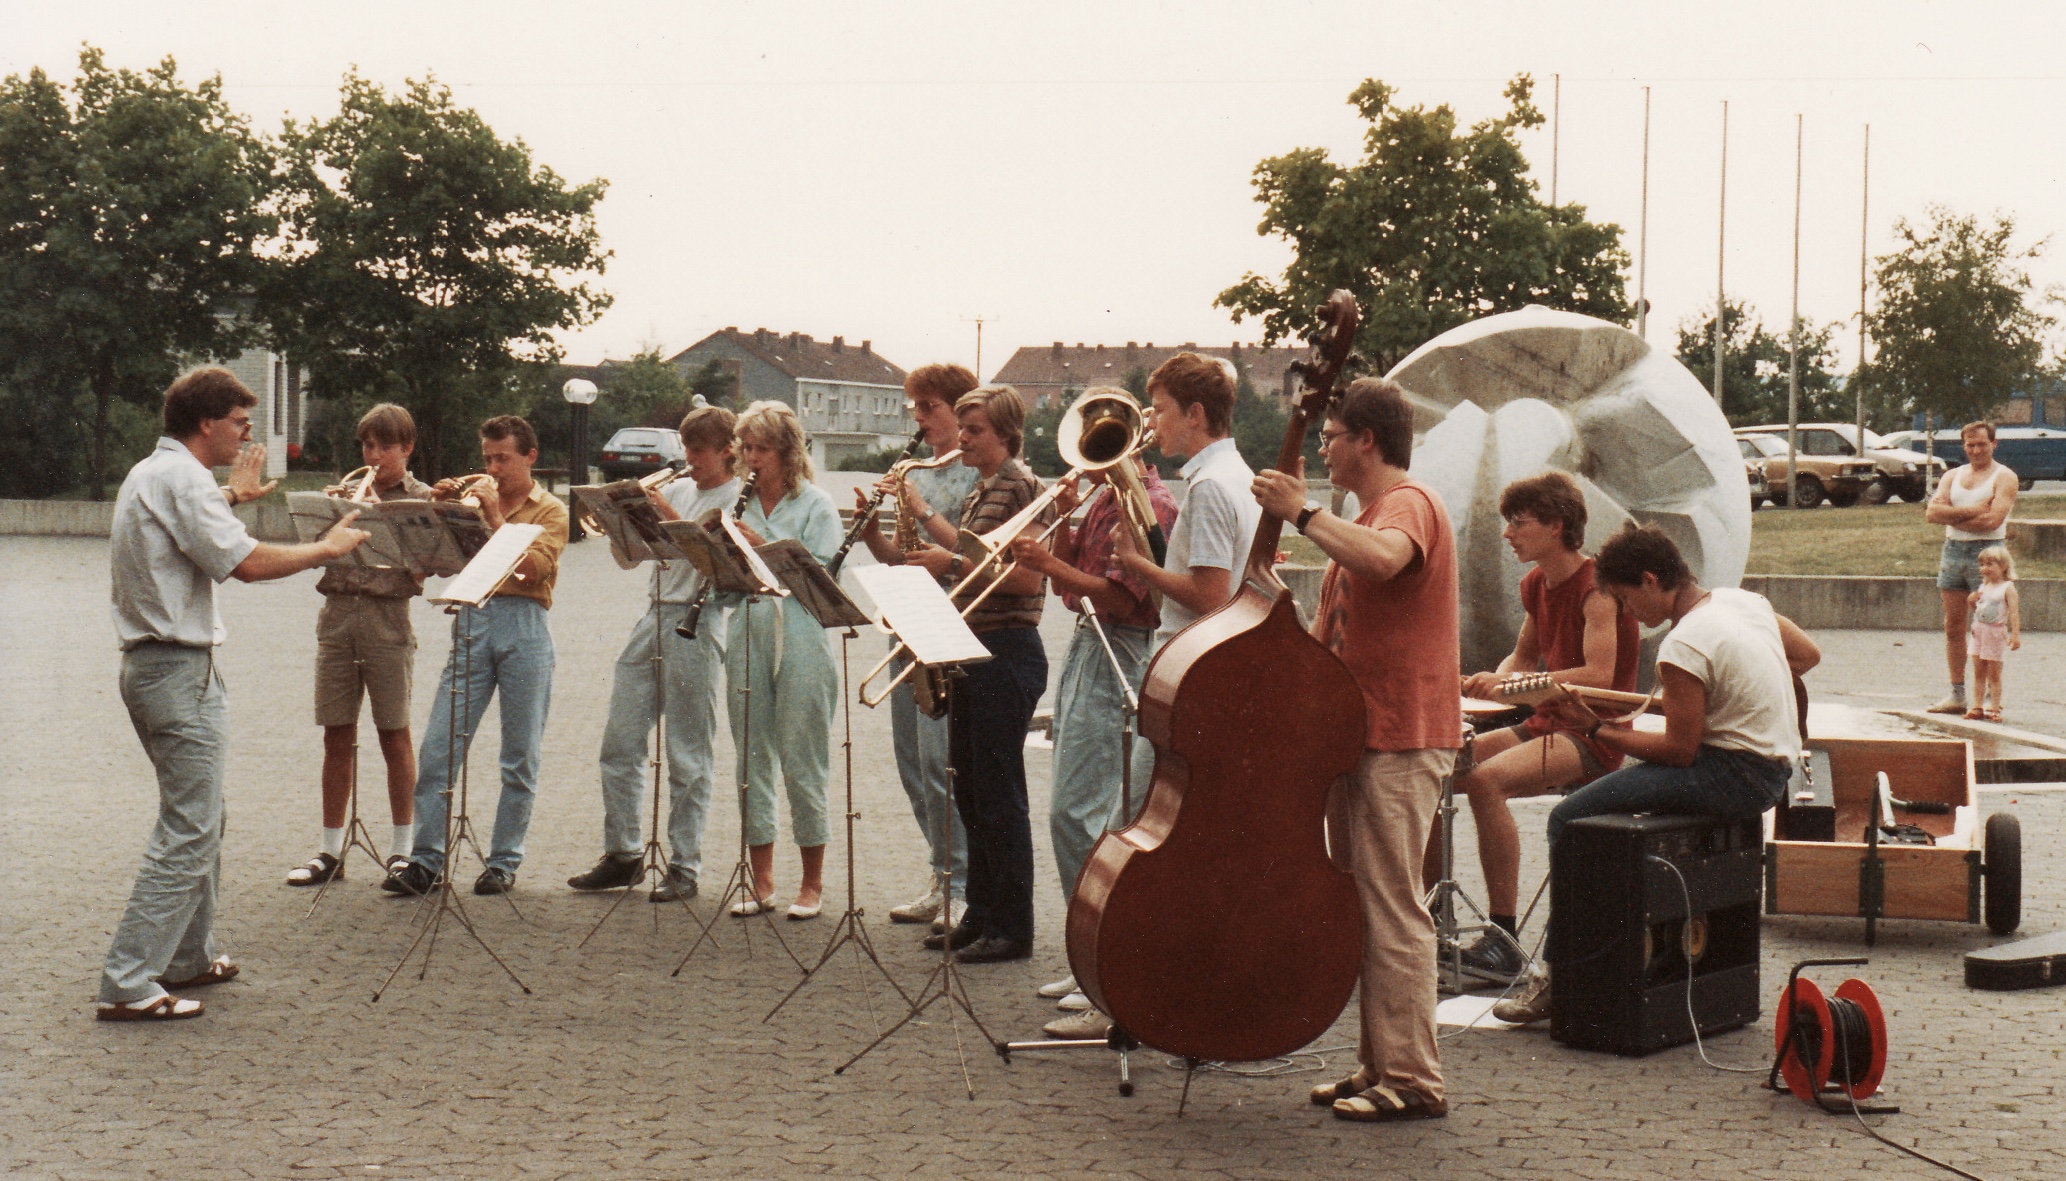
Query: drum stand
column 740, row 884
column 1452, row 976
column 945, row 981
column 852, row 929
column 653, row 859
column 1117, row 1040
column 458, row 831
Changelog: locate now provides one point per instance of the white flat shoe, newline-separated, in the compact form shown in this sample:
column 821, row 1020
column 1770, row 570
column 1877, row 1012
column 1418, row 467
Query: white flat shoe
column 747, row 907
column 1075, row 1002
column 1058, row 989
column 798, row 912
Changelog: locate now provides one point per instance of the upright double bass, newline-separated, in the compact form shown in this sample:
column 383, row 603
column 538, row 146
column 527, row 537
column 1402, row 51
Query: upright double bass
column 1214, row 925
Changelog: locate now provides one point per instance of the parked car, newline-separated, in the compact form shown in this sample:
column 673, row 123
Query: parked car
column 1902, row 471
column 1754, row 472
column 1840, row 481
column 636, row 450
column 2032, row 452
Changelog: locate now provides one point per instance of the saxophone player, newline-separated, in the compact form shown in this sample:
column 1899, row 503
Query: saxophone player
column 928, row 500
column 693, row 672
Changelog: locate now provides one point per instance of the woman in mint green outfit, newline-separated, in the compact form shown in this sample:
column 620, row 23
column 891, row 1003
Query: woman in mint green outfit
column 781, row 653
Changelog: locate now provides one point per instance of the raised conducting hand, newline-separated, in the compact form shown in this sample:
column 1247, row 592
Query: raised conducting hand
column 341, row 538
column 245, row 474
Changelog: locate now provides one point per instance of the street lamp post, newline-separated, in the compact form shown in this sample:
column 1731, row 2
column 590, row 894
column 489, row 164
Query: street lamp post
column 579, row 392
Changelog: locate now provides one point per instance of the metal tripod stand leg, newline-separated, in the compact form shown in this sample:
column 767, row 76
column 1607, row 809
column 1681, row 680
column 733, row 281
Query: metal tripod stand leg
column 1452, row 975
column 356, row 836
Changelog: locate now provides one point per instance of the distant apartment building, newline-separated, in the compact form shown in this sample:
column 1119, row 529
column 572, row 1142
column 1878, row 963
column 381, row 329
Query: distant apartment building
column 1058, row 373
column 849, row 397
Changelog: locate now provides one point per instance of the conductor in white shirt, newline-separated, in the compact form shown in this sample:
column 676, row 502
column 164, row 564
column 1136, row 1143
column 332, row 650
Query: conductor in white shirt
column 173, row 539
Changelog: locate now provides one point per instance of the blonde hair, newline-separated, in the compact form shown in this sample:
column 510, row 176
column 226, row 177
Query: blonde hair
column 1999, row 553
column 774, row 424
column 1004, row 408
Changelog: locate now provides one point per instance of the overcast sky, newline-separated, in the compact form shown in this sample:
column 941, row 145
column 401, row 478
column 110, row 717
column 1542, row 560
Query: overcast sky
column 1080, row 172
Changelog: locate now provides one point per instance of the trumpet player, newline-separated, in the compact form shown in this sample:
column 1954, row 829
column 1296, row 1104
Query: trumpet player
column 501, row 645
column 692, row 671
column 1090, row 702
column 928, row 503
column 366, row 649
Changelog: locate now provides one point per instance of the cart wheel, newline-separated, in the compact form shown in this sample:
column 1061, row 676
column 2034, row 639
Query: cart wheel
column 1126, row 1089
column 2003, row 869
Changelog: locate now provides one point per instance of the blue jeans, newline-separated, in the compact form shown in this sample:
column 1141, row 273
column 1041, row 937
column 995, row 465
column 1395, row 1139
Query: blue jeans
column 693, row 671
column 1090, row 710
column 993, row 706
column 921, row 744
column 1958, row 565
column 503, row 645
column 180, row 709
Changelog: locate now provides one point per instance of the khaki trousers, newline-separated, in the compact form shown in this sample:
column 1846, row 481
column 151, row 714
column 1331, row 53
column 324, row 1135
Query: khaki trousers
column 1378, row 821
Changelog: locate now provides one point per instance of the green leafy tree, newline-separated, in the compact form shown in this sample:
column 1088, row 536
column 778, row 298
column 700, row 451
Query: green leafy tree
column 1755, row 366
column 427, row 261
column 131, row 211
column 1957, row 327
column 1432, row 228
column 719, row 386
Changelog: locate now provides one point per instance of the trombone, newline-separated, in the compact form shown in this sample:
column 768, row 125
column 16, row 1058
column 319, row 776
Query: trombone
column 1100, row 430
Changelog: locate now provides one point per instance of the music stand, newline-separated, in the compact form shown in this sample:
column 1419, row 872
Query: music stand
column 471, row 587
column 622, row 512
column 356, row 835
column 925, row 619
column 821, row 595
column 728, row 559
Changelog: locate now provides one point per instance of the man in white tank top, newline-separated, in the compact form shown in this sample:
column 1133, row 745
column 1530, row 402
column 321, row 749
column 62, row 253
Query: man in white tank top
column 1973, row 504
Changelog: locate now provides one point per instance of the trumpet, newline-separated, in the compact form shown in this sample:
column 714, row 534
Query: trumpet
column 1099, row 431
column 469, row 490
column 356, row 487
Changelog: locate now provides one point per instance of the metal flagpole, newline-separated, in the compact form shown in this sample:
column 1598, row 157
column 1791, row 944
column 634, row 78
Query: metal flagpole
column 1721, row 257
column 1793, row 337
column 1643, row 231
column 1864, row 231
column 1556, row 132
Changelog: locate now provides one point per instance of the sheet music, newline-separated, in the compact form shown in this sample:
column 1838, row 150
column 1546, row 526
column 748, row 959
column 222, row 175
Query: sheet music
column 315, row 513
column 420, row 536
column 717, row 558
column 812, row 584
column 484, row 574
column 627, row 515
column 921, row 615
column 769, row 584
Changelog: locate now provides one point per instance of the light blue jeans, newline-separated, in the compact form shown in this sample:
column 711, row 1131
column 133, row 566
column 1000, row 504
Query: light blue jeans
column 503, row 646
column 778, row 650
column 180, row 709
column 1090, row 710
column 921, row 744
column 693, row 673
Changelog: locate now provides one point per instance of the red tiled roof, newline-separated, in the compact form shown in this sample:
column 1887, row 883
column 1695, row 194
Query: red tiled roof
column 1058, row 365
column 799, row 356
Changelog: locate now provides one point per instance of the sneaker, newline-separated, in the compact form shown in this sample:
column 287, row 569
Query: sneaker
column 614, row 872
column 922, row 909
column 1058, row 989
column 677, row 886
column 1075, row 1002
column 1494, row 955
column 411, row 880
column 1950, row 705
column 494, row 881
column 1089, row 1025
column 1531, row 1004
column 953, row 916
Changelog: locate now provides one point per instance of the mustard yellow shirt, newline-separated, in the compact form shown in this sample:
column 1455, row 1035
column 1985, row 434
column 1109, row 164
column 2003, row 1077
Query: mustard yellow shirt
column 539, row 568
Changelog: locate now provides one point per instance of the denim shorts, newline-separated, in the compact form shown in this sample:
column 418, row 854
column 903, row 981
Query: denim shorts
column 1959, row 568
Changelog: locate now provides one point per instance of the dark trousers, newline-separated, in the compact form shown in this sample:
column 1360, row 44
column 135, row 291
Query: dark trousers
column 986, row 745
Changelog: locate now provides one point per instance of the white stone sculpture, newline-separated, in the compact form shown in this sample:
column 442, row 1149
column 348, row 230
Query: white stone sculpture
column 1518, row 393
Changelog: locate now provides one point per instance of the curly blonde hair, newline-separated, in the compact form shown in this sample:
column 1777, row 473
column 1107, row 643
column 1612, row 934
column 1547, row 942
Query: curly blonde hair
column 774, row 424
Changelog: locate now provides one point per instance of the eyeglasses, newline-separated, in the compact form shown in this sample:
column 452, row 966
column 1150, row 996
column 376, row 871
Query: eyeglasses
column 1327, row 436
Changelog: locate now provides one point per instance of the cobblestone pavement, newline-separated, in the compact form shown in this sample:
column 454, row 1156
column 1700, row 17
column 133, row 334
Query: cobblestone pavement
column 613, row 1067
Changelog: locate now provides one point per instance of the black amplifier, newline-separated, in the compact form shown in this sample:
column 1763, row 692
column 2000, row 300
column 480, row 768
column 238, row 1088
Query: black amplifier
column 1621, row 930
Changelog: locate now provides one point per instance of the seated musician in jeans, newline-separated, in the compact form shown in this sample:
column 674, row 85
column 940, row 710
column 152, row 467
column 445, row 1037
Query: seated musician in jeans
column 1731, row 730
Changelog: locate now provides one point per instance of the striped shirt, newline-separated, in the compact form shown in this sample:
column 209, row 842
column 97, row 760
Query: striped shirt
column 991, row 503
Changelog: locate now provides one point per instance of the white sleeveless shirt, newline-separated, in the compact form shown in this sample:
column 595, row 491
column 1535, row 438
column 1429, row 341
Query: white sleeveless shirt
column 1964, row 497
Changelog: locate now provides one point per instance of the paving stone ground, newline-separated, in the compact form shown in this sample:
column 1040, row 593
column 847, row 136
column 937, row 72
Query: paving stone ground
column 613, row 1067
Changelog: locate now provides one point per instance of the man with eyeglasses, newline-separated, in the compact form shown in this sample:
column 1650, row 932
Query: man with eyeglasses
column 172, row 540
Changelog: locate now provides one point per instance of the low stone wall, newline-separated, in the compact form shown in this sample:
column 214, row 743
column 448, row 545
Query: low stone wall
column 267, row 520
column 2037, row 539
column 1891, row 604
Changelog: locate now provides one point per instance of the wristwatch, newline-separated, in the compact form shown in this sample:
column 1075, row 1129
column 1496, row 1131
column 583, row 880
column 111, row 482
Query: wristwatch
column 1305, row 515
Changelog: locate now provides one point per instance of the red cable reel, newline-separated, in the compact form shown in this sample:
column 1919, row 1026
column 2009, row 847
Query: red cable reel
column 1830, row 1045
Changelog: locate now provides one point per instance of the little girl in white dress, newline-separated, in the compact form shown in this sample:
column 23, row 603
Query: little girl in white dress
column 1995, row 631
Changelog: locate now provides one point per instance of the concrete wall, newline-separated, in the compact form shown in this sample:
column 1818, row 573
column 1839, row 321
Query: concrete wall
column 1893, row 604
column 267, row 520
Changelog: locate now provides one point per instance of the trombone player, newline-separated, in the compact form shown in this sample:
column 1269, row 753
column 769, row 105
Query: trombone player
column 1090, row 702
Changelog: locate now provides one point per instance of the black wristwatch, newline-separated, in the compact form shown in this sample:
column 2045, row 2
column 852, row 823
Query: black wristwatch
column 1305, row 515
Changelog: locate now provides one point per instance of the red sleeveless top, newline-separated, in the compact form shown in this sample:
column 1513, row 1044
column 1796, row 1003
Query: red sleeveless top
column 1559, row 616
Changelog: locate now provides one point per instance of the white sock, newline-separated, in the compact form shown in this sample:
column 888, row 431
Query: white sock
column 333, row 842
column 403, row 842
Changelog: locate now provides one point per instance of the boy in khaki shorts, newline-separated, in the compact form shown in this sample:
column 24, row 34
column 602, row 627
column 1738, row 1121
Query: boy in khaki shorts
column 365, row 647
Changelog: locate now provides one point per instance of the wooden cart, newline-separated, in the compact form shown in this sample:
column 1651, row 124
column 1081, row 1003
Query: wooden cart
column 1832, row 857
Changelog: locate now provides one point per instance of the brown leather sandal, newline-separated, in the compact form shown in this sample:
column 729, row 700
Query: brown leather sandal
column 221, row 971
column 1327, row 1093
column 160, row 1008
column 1381, row 1105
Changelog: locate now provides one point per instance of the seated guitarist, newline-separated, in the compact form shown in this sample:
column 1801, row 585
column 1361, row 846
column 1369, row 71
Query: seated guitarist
column 1579, row 636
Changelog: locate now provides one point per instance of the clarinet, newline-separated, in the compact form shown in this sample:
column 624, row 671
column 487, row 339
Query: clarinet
column 687, row 628
column 862, row 518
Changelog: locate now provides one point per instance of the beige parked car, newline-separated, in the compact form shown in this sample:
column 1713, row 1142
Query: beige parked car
column 1840, row 481
column 1754, row 473
column 1901, row 470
